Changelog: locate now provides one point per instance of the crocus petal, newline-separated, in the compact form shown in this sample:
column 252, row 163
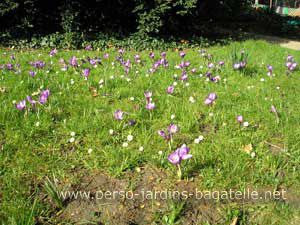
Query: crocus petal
column 187, row 156
column 174, row 158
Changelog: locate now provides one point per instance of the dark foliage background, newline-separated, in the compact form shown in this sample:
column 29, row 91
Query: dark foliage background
column 68, row 23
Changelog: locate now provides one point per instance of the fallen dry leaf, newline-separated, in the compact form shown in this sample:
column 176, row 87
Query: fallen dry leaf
column 234, row 221
column 248, row 148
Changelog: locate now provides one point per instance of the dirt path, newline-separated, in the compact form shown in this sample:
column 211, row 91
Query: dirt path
column 283, row 42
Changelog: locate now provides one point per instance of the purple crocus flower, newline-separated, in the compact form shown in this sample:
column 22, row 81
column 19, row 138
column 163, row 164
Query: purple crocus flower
column 194, row 70
column 156, row 65
column 10, row 66
column 106, row 56
column 243, row 64
column 128, row 63
column 162, row 133
column 221, row 63
column 44, row 96
column 270, row 70
column 119, row 114
column 150, row 106
column 121, row 51
column 183, row 152
column 170, row 89
column 173, row 128
column 53, row 52
column 21, row 105
column 131, row 122
column 291, row 66
column 93, row 62
column 43, row 99
column 239, row 118
column 137, row 58
column 180, row 154
column 38, row 64
column 237, row 66
column 210, row 98
column 151, row 55
column 148, row 95
column 88, row 48
column 126, row 70
column 216, row 79
column 184, row 76
column 182, row 54
column 31, row 101
column 46, row 93
column 181, row 65
column 73, row 61
column 211, row 65
column 208, row 101
column 32, row 73
column 86, row 72
column 163, row 54
column 290, row 58
column 12, row 56
column 209, row 74
column 187, row 63
column 164, row 62
column 174, row 158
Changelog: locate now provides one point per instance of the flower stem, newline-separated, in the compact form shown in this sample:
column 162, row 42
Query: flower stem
column 179, row 173
column 170, row 147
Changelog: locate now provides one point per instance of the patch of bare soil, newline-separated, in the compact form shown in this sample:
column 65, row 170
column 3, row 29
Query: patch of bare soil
column 145, row 207
column 142, row 205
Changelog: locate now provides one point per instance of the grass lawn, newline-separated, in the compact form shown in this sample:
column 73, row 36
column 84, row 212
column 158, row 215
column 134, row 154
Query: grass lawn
column 74, row 139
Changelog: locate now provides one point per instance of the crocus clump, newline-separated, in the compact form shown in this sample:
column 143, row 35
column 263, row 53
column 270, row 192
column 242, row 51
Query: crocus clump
column 172, row 129
column 176, row 157
column 94, row 61
column 239, row 60
column 290, row 63
column 38, row 64
column 210, row 99
column 42, row 100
